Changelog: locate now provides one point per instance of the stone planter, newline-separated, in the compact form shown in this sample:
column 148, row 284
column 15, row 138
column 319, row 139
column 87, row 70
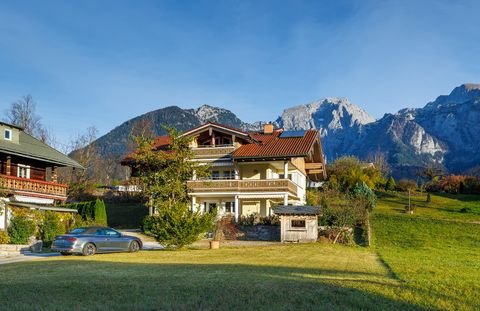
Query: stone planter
column 214, row 244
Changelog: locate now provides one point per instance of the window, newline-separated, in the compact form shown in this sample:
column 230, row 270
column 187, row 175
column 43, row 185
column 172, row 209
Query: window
column 215, row 174
column 229, row 174
column 230, row 207
column 209, row 207
column 23, row 171
column 297, row 223
column 8, row 134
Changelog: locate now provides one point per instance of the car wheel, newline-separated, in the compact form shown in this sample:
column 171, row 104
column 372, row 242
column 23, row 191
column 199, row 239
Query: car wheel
column 134, row 247
column 65, row 253
column 89, row 249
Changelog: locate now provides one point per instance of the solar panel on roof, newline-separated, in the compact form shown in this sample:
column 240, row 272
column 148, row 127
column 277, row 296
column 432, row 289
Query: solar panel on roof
column 289, row 134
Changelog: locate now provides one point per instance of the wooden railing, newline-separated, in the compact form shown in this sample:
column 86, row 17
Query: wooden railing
column 38, row 187
column 214, row 151
column 243, row 185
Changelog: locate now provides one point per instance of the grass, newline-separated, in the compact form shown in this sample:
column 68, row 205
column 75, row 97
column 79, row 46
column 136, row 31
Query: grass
column 435, row 251
column 125, row 215
column 428, row 260
column 283, row 277
column 460, row 207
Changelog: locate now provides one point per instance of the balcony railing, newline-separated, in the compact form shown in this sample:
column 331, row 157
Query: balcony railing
column 34, row 187
column 243, row 185
column 216, row 151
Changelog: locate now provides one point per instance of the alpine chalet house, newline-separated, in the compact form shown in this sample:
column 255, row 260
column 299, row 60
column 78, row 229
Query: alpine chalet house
column 252, row 172
column 28, row 173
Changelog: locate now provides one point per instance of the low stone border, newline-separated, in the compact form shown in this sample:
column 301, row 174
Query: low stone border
column 18, row 249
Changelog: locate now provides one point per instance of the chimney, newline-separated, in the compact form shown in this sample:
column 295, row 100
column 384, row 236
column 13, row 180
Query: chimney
column 268, row 128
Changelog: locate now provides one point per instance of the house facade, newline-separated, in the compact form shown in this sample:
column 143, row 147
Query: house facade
column 28, row 173
column 252, row 172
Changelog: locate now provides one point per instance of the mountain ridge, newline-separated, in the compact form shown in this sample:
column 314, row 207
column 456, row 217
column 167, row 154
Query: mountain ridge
column 442, row 132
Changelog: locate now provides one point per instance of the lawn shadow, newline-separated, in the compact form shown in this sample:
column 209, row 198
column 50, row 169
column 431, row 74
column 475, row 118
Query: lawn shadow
column 94, row 285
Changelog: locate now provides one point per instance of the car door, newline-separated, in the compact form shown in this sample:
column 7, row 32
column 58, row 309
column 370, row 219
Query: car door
column 100, row 239
column 115, row 240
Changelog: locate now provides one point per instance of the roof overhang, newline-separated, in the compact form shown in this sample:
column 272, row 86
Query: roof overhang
column 205, row 126
column 297, row 210
column 42, row 207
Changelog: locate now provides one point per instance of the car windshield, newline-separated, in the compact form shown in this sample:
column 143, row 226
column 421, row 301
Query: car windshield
column 78, row 230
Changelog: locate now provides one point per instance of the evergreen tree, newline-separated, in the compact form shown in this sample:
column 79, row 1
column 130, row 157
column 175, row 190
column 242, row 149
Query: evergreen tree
column 390, row 185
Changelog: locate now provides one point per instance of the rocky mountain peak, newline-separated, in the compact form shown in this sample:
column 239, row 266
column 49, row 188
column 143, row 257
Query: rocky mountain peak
column 327, row 113
column 459, row 95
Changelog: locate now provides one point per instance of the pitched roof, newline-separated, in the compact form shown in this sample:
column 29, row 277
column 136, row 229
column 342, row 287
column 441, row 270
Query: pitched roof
column 161, row 142
column 297, row 210
column 217, row 125
column 273, row 145
column 30, row 147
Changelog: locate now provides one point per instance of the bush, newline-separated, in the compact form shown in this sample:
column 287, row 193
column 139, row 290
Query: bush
column 256, row 219
column 177, row 226
column 21, row 229
column 4, row 238
column 92, row 212
column 361, row 193
column 346, row 172
column 51, row 227
column 100, row 213
column 452, row 183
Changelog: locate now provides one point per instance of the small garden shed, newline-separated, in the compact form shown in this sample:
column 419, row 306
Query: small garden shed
column 298, row 223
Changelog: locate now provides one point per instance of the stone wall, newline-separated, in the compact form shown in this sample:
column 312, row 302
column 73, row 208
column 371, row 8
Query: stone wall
column 259, row 233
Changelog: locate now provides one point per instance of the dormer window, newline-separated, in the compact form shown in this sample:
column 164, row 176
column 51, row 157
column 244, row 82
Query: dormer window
column 8, row 134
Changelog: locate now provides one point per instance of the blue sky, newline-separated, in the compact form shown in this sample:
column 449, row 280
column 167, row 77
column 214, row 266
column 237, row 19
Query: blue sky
column 100, row 63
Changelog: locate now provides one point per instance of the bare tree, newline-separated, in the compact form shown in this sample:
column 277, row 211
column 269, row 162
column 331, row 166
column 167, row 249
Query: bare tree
column 22, row 113
column 380, row 160
column 85, row 152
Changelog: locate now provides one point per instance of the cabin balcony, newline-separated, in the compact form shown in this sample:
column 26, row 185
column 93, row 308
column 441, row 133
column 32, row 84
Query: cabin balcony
column 243, row 186
column 33, row 188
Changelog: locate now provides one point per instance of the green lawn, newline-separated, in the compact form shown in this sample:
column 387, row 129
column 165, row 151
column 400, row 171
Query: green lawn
column 422, row 261
column 435, row 252
column 283, row 277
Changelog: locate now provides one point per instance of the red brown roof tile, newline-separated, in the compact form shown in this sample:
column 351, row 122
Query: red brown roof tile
column 272, row 145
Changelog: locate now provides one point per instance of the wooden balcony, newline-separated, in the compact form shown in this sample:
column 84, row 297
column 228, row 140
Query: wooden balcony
column 35, row 188
column 213, row 151
column 243, row 185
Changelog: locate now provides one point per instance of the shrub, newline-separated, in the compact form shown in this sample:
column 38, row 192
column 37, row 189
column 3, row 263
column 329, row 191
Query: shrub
column 21, row 229
column 361, row 193
column 92, row 212
column 177, row 226
column 100, row 213
column 51, row 227
column 451, row 184
column 4, row 238
column 256, row 219
column 346, row 172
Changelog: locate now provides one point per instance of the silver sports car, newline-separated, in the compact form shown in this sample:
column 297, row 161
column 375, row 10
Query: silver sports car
column 90, row 240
